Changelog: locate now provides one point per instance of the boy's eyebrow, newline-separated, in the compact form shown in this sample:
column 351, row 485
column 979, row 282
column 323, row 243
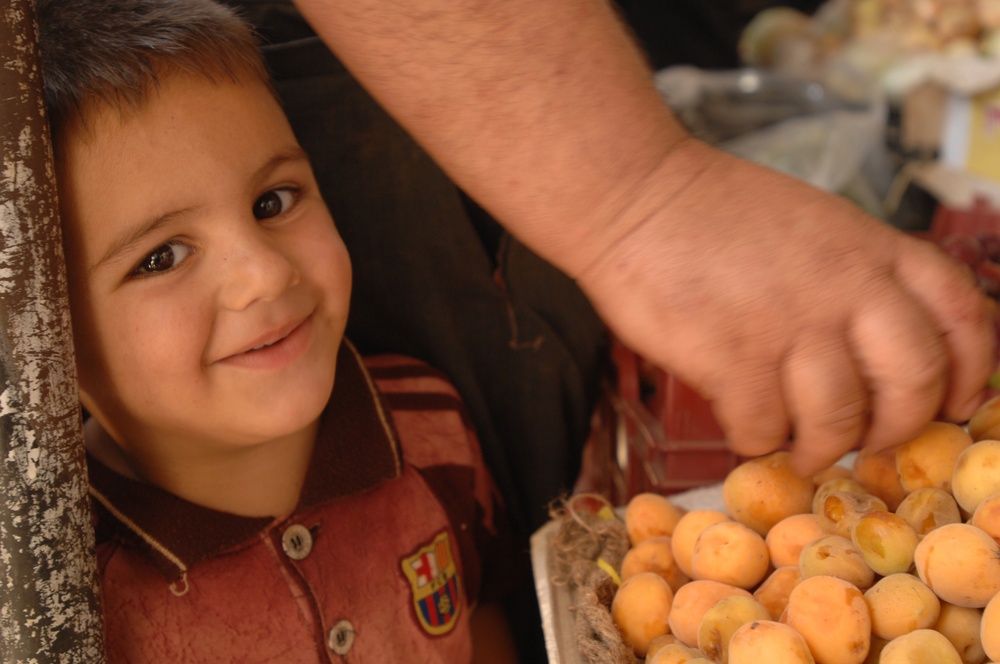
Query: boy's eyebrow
column 135, row 233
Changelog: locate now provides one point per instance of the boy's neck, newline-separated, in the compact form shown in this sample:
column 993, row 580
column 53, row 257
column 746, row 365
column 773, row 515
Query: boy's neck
column 259, row 481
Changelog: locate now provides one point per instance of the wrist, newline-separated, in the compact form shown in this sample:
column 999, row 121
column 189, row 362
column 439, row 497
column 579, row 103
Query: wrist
column 658, row 196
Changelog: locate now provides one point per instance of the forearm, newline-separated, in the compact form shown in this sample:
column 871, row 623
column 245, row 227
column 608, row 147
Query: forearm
column 543, row 110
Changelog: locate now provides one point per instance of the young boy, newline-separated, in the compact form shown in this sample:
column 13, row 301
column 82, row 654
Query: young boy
column 263, row 494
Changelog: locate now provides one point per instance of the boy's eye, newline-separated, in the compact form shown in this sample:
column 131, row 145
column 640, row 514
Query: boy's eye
column 165, row 257
column 273, row 203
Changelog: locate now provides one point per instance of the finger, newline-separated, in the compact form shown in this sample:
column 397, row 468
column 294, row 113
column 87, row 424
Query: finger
column 827, row 399
column 965, row 316
column 902, row 356
column 751, row 409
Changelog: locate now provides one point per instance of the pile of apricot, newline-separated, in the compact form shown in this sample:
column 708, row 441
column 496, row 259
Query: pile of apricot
column 893, row 560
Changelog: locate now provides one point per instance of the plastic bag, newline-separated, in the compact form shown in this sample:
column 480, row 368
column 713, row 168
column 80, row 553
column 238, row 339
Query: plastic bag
column 825, row 131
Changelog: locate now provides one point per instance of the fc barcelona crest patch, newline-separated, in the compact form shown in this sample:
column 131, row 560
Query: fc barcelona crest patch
column 433, row 576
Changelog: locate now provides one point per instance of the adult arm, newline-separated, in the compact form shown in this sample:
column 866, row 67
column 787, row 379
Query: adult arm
column 791, row 310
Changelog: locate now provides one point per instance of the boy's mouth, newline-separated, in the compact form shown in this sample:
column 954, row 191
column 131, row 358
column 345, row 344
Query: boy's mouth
column 269, row 343
column 274, row 337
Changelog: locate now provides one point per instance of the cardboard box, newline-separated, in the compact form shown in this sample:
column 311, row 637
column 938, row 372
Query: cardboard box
column 971, row 134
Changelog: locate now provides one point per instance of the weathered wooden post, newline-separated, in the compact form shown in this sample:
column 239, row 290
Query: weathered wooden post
column 49, row 608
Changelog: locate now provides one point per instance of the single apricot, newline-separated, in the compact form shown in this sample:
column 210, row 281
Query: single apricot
column 768, row 642
column 929, row 508
column 762, row 491
column 650, row 515
column 833, row 555
column 901, row 603
column 641, row 610
column 788, row 537
column 731, row 553
column 977, row 474
column 960, row 563
column 832, row 617
column 987, row 516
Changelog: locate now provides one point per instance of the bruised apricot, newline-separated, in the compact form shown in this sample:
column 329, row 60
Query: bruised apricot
column 929, row 508
column 927, row 461
column 722, row 620
column 833, row 555
column 841, row 510
column 886, row 542
column 848, row 484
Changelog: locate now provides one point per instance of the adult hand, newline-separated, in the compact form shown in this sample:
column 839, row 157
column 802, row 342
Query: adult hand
column 791, row 310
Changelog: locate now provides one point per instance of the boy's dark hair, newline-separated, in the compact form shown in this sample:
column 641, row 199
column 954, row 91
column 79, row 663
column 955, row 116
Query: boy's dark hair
column 114, row 51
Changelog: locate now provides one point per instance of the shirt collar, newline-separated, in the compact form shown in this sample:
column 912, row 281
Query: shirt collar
column 356, row 448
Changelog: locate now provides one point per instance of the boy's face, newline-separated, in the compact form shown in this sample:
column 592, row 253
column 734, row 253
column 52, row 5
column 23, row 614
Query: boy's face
column 208, row 285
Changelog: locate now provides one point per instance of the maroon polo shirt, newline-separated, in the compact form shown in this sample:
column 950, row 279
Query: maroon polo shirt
column 381, row 561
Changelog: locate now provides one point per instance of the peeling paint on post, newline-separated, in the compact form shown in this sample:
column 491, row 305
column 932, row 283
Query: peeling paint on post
column 49, row 608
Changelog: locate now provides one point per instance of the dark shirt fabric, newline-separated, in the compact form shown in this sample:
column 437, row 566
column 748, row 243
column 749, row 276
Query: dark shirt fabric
column 398, row 534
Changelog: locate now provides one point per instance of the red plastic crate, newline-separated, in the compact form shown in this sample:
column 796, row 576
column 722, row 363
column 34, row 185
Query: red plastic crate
column 980, row 218
column 653, row 433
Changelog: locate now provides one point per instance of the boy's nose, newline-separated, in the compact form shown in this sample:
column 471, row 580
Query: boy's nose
column 254, row 267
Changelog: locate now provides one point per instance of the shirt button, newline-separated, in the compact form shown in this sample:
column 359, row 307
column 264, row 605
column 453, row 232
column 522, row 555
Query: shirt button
column 297, row 541
column 341, row 637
